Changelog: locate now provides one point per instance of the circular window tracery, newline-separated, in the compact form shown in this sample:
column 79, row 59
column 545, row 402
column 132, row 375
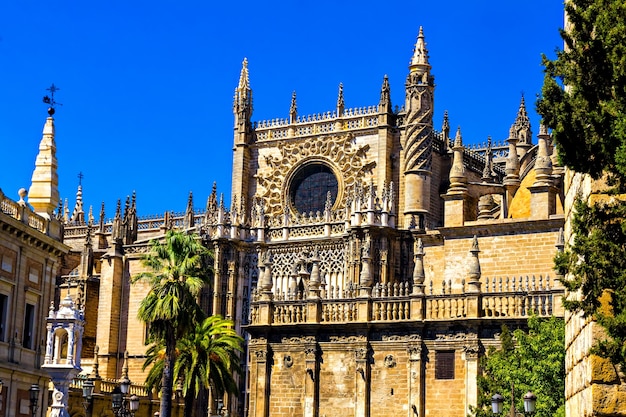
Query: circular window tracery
column 309, row 188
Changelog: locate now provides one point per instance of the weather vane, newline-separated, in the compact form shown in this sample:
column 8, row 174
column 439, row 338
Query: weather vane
column 50, row 99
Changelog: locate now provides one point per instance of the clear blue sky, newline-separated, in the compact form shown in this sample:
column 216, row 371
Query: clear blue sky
column 147, row 86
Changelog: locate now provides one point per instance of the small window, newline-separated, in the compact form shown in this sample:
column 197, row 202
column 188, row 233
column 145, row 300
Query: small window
column 444, row 364
column 29, row 327
column 7, row 263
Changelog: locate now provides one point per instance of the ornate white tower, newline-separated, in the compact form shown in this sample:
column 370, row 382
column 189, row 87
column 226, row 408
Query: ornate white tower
column 63, row 350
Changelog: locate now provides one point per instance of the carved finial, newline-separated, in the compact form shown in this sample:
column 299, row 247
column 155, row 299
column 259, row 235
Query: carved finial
column 475, row 248
column 78, row 215
column 543, row 162
column 458, row 180
column 418, row 269
column 385, row 95
column 329, row 203
column 458, row 138
column 420, row 53
column 488, row 170
column 474, row 268
column 340, row 101
column 522, row 124
column 293, row 109
column 560, row 241
column 243, row 93
column 445, row 127
column 189, row 217
column 244, row 79
column 101, row 219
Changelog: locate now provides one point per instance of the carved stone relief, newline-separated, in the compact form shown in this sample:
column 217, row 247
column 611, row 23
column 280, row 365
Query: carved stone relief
column 338, row 151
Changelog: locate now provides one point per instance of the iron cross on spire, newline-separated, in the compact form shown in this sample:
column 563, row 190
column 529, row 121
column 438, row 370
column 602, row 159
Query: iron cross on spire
column 50, row 99
column 80, row 178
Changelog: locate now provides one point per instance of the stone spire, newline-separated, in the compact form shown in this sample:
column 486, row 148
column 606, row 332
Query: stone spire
column 340, row 102
column 417, row 136
column 189, row 218
column 242, row 103
column 43, row 194
column 131, row 221
column 419, row 61
column 445, row 129
column 512, row 165
column 101, row 219
column 488, row 170
column 543, row 163
column 384, row 105
column 522, row 128
column 116, row 232
column 293, row 109
column 78, row 215
column 458, row 180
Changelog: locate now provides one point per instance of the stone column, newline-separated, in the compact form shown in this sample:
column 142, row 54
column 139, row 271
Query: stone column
column 362, row 382
column 260, row 378
column 471, row 352
column 311, row 387
column 416, row 381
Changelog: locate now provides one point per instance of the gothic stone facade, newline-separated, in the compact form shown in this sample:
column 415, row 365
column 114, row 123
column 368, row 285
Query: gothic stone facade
column 369, row 258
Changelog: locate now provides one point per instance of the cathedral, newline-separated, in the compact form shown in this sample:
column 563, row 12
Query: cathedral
column 369, row 258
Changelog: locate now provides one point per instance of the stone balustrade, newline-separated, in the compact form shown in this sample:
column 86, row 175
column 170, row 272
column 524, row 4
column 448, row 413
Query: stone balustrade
column 503, row 298
column 329, row 122
column 19, row 210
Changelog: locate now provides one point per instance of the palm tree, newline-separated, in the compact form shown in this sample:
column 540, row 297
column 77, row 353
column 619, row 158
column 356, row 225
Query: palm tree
column 170, row 309
column 207, row 357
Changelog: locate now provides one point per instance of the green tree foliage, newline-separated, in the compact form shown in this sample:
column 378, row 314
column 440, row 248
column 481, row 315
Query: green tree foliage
column 588, row 117
column 596, row 262
column 206, row 357
column 177, row 273
column 588, row 122
column 530, row 361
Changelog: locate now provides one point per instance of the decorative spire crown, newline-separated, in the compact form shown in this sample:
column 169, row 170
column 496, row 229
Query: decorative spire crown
column 340, row 101
column 420, row 53
column 385, row 96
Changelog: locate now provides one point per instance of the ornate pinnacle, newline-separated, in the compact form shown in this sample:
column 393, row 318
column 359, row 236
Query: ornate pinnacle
column 293, row 109
column 385, row 97
column 420, row 53
column 445, row 127
column 458, row 139
column 340, row 101
column 487, row 174
column 474, row 268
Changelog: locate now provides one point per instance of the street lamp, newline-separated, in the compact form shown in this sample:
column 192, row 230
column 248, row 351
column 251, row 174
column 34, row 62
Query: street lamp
column 530, row 401
column 88, row 386
column 121, row 406
column 33, row 392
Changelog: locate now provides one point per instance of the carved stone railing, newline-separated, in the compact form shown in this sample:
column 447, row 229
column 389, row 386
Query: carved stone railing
column 22, row 212
column 446, row 307
column 339, row 311
column 504, row 298
column 329, row 122
column 107, row 385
